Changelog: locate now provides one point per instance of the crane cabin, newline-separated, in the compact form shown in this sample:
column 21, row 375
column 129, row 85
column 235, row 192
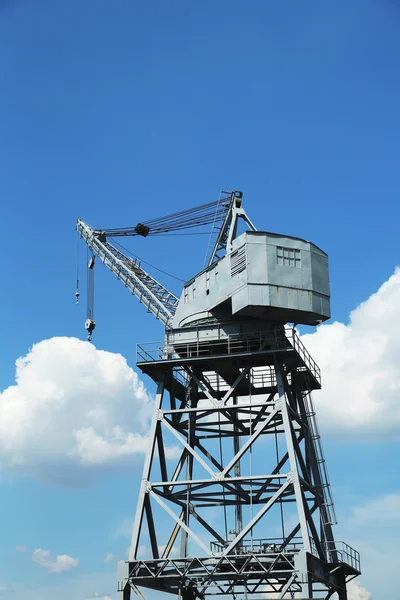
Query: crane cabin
column 265, row 276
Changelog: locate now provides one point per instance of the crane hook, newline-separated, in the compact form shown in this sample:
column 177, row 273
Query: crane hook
column 89, row 326
column 90, row 322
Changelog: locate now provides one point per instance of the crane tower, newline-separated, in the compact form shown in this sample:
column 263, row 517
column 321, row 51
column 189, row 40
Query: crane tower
column 234, row 498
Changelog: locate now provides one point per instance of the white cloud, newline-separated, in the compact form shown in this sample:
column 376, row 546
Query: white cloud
column 360, row 367
column 98, row 596
column 4, row 588
column 59, row 564
column 356, row 592
column 109, row 557
column 385, row 509
column 72, row 406
column 379, row 554
column 94, row 449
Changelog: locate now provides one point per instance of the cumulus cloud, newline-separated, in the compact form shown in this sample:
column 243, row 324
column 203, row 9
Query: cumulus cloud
column 356, row 592
column 4, row 588
column 98, row 596
column 360, row 366
column 72, row 406
column 59, row 564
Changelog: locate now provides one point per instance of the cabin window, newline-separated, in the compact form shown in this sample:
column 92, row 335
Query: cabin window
column 288, row 257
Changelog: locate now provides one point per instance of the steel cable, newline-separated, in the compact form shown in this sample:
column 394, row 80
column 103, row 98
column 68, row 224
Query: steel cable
column 186, row 219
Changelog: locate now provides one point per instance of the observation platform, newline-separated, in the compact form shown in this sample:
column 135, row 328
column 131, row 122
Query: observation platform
column 256, row 562
column 223, row 358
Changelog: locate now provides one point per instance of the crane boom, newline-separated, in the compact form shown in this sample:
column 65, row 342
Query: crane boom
column 157, row 299
column 222, row 214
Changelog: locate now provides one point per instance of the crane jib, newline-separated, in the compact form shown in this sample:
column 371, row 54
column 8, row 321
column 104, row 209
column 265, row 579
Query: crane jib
column 157, row 299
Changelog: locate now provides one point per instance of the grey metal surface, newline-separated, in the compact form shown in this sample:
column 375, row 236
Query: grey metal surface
column 201, row 483
column 235, row 495
column 155, row 297
column 265, row 276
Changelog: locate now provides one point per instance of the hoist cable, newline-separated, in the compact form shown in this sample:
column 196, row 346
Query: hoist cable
column 77, row 270
column 87, row 284
column 180, row 234
column 90, row 285
column 121, row 247
column 204, row 211
column 185, row 219
column 211, row 233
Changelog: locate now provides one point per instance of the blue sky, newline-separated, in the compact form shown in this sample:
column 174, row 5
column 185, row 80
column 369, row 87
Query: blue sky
column 122, row 111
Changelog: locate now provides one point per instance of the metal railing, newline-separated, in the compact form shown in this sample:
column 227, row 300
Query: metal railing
column 342, row 552
column 261, row 546
column 287, row 339
column 339, row 552
column 336, row 552
column 304, row 354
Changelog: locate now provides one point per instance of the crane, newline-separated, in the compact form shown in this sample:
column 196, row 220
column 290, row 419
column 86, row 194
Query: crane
column 231, row 372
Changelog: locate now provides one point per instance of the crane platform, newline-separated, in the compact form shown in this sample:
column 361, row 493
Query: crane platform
column 225, row 357
column 252, row 567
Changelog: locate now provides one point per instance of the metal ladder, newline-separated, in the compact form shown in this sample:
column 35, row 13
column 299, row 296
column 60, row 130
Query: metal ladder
column 316, row 438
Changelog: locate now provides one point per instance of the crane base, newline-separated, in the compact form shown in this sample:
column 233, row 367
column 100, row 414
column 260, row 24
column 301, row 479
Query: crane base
column 221, row 575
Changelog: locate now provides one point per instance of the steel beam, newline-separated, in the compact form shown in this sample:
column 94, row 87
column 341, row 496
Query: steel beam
column 204, row 492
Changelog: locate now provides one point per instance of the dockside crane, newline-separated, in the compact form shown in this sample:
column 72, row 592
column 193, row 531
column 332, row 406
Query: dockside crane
column 247, row 518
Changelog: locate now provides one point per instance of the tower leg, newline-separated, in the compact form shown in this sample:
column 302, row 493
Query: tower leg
column 303, row 577
column 146, row 474
column 342, row 593
column 192, row 402
column 125, row 593
column 292, row 457
column 123, row 587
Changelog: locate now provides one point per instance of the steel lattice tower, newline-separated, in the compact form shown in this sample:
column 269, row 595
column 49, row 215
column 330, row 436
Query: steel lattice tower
column 235, row 499
column 241, row 391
